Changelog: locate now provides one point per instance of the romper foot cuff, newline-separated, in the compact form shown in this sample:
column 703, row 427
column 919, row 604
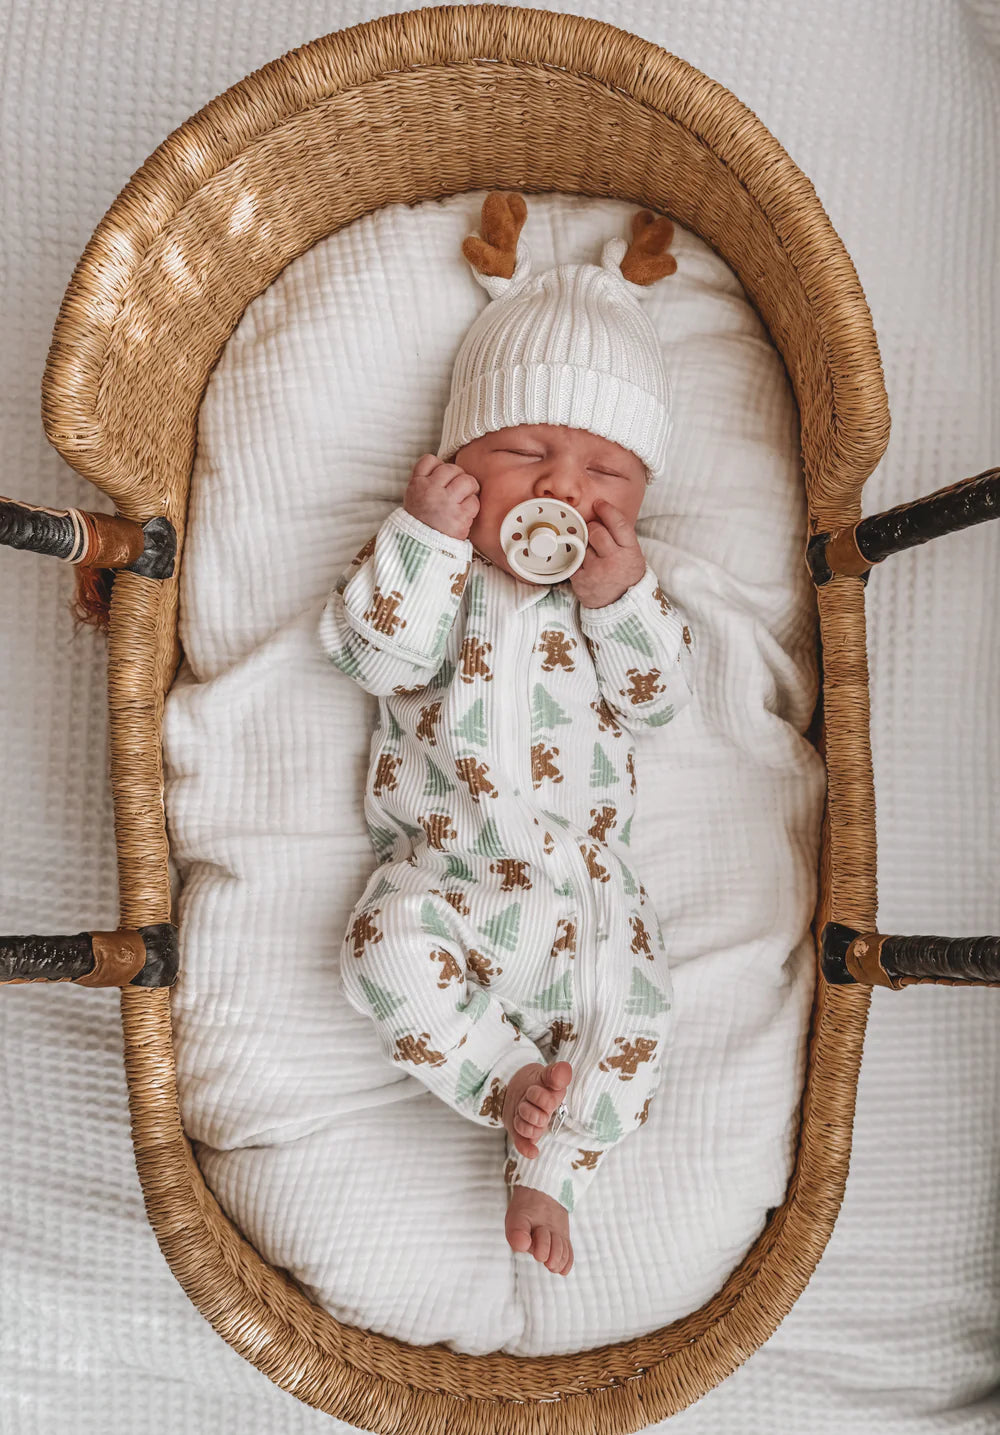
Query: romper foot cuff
column 564, row 1168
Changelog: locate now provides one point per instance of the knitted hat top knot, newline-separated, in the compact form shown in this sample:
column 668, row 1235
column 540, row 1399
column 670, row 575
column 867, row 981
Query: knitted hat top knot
column 571, row 345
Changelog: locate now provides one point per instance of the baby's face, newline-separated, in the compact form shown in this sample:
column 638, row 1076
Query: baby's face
column 547, row 461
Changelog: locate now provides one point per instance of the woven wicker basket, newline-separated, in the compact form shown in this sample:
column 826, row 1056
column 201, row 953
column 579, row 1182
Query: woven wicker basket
column 408, row 108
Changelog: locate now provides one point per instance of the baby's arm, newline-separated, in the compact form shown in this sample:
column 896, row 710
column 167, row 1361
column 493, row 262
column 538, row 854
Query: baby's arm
column 387, row 620
column 643, row 652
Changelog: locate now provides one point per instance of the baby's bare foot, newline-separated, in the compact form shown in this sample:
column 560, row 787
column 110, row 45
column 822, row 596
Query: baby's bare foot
column 533, row 1093
column 537, row 1223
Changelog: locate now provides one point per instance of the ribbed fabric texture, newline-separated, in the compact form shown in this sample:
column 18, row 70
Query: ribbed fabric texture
column 569, row 346
column 502, row 775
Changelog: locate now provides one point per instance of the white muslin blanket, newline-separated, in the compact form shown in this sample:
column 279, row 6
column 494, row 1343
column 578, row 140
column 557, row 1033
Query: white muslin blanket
column 384, row 1203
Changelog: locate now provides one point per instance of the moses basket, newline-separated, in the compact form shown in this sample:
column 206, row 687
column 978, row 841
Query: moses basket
column 403, row 109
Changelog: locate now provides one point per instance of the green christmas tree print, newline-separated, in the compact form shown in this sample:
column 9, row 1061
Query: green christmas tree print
column 382, row 1002
column 472, row 728
column 437, row 784
column 556, row 597
column 442, row 678
column 414, row 833
column 566, row 890
column 628, row 880
column 557, row 996
column 545, row 711
column 601, row 773
column 476, row 596
column 382, row 889
column 475, row 1003
column 395, row 733
column 658, row 719
column 605, row 1124
column 470, row 1082
column 345, row 660
column 457, row 868
column 501, row 929
column 383, row 840
column 560, row 821
column 412, row 553
column 625, row 833
column 431, row 922
column 488, row 842
column 566, row 1194
column 632, row 634
column 444, row 626
column 645, row 999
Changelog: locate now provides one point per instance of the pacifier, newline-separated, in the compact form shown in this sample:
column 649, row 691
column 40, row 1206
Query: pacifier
column 543, row 540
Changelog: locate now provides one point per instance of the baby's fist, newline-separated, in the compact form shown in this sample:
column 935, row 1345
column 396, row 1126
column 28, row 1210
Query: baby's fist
column 442, row 495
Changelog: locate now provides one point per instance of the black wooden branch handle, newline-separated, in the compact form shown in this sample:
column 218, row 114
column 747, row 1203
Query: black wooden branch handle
column 141, row 957
column 855, row 549
column 99, row 540
column 875, row 959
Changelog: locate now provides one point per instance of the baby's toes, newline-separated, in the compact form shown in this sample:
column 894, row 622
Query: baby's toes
column 530, row 1129
column 557, row 1255
column 533, row 1113
column 541, row 1245
column 544, row 1098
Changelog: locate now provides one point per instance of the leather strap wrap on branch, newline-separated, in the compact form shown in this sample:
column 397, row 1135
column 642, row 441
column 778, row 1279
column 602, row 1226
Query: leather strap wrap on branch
column 118, row 541
column 853, row 550
column 863, row 959
column 876, row 959
column 101, row 541
column 118, row 957
column 946, row 510
column 843, row 554
column 98, row 540
column 147, row 957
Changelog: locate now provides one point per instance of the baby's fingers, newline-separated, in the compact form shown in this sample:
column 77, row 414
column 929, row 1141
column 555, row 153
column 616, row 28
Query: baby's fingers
column 600, row 540
column 424, row 465
column 616, row 524
column 461, row 485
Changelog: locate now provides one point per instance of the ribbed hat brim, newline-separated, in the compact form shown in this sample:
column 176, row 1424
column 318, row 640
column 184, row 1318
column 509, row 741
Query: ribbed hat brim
column 567, row 394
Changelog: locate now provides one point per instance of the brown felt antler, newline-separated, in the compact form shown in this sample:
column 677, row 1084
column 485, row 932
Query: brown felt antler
column 502, row 220
column 646, row 258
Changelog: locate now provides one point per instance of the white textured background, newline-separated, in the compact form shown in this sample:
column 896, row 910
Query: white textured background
column 894, row 114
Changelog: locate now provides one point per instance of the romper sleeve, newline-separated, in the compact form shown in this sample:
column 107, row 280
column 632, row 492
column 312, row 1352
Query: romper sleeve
column 387, row 619
column 643, row 651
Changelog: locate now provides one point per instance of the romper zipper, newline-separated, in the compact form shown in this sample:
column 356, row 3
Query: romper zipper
column 580, row 968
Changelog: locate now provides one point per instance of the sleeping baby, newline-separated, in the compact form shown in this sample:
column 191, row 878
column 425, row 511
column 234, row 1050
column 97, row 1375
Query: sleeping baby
column 505, row 949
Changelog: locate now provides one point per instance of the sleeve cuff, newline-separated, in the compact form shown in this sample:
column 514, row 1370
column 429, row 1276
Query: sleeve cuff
column 621, row 607
column 459, row 549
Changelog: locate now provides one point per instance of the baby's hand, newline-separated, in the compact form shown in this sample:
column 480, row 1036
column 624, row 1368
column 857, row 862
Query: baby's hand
column 442, row 495
column 614, row 560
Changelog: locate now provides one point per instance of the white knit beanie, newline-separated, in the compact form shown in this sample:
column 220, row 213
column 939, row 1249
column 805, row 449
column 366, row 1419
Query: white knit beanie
column 570, row 346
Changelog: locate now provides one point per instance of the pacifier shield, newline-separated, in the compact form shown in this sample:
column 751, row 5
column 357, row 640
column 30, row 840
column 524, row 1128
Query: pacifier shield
column 543, row 540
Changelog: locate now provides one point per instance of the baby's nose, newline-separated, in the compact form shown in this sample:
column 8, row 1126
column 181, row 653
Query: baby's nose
column 567, row 485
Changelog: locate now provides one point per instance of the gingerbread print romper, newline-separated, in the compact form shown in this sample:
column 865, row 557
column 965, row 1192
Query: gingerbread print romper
column 506, row 923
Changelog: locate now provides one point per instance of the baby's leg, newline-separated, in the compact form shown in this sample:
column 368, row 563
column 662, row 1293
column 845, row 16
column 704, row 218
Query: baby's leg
column 618, row 1031
column 409, row 963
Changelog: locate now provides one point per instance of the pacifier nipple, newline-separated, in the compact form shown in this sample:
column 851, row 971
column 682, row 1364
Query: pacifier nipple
column 543, row 540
